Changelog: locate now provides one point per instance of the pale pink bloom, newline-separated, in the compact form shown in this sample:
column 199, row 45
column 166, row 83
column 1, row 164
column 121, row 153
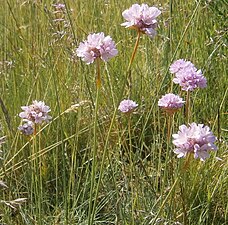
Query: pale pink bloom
column 170, row 103
column 127, row 106
column 27, row 128
column 195, row 139
column 187, row 75
column 142, row 18
column 181, row 64
column 36, row 113
column 97, row 46
column 59, row 6
column 190, row 79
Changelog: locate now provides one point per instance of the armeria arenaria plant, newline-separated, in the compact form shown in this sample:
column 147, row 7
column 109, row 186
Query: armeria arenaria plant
column 142, row 18
column 36, row 113
column 27, row 128
column 170, row 104
column 189, row 78
column 97, row 46
column 196, row 139
column 187, row 75
column 59, row 7
column 127, row 106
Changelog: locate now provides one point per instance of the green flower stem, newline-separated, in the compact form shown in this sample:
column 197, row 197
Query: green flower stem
column 187, row 161
column 36, row 176
column 161, row 207
column 98, row 78
column 134, row 51
column 91, row 217
column 169, row 127
column 131, row 168
column 168, row 152
column 129, row 77
column 182, row 195
column 187, row 112
column 40, row 186
column 92, row 205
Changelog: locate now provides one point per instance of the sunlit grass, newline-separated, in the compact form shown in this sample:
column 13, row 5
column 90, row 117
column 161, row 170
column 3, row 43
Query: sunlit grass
column 141, row 179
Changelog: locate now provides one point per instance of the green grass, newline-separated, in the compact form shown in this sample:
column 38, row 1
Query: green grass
column 136, row 178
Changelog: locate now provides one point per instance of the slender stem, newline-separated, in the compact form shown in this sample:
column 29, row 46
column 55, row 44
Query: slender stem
column 91, row 217
column 168, row 152
column 131, row 168
column 37, row 175
column 169, row 124
column 131, row 61
column 34, row 131
column 170, row 45
column 92, row 205
column 129, row 135
column 219, row 126
column 187, row 162
column 170, row 26
column 187, row 112
column 33, row 169
column 134, row 51
column 40, row 165
column 98, row 78
column 154, row 220
column 183, row 203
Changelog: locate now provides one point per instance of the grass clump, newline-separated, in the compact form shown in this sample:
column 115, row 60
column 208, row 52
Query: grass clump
column 91, row 163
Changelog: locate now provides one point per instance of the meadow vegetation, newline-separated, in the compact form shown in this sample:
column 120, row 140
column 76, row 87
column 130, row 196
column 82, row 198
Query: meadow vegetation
column 92, row 164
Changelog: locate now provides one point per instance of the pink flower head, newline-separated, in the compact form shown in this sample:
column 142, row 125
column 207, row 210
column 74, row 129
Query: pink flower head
column 127, row 106
column 27, row 128
column 36, row 113
column 180, row 64
column 196, row 139
column 170, row 103
column 142, row 18
column 59, row 6
column 187, row 76
column 97, row 46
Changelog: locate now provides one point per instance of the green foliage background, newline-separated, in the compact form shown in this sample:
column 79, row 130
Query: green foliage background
column 53, row 171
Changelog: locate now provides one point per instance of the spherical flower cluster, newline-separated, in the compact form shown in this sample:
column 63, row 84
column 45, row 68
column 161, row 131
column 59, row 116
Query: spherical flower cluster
column 27, row 128
column 127, row 106
column 196, row 139
column 59, row 6
column 179, row 65
column 142, row 18
column 36, row 113
column 187, row 75
column 170, row 103
column 97, row 46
